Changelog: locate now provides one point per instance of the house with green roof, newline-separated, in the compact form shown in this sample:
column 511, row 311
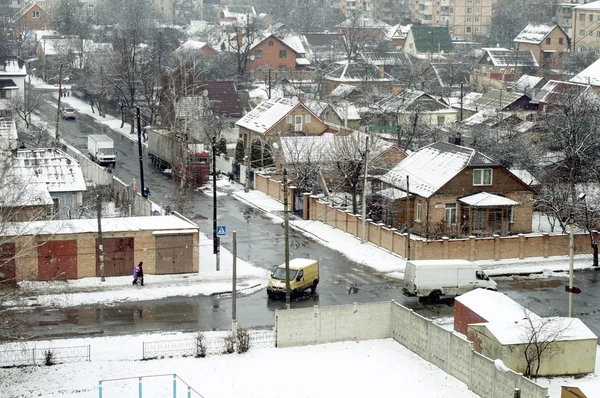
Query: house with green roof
column 423, row 40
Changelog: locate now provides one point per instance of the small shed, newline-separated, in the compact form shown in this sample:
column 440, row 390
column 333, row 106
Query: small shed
column 480, row 306
column 570, row 346
column 69, row 249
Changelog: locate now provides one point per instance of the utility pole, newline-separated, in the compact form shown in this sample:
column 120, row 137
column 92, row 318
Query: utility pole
column 100, row 246
column 364, row 194
column 216, row 243
column 248, row 153
column 461, row 101
column 407, row 219
column 57, row 133
column 571, row 253
column 287, row 240
column 141, row 156
column 269, row 83
column 234, row 290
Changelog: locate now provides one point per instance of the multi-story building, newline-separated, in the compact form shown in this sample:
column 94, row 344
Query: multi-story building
column 586, row 28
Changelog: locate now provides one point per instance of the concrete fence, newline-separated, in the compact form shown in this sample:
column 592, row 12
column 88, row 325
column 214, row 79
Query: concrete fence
column 443, row 348
column 491, row 248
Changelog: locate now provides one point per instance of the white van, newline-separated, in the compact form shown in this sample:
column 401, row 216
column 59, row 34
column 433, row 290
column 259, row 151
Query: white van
column 437, row 278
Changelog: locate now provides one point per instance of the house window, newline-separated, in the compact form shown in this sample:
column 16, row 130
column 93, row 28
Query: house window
column 288, row 119
column 469, row 19
column 502, row 70
column 591, row 17
column 598, row 33
column 476, row 19
column 561, row 40
column 548, row 40
column 450, row 214
column 282, row 68
column 476, row 29
column 482, row 177
column 271, row 44
column 4, row 93
column 35, row 14
column 476, row 10
column 419, row 210
column 582, row 17
column 298, row 123
column 483, row 69
column 469, row 10
column 581, row 32
column 441, row 120
column 468, row 29
column 257, row 53
column 307, row 119
column 512, row 214
column 282, row 53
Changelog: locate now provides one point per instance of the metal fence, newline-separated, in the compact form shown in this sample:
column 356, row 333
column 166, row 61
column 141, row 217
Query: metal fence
column 214, row 345
column 38, row 356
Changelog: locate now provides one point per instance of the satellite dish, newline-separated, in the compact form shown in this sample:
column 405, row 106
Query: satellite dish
column 275, row 146
column 205, row 93
column 294, row 99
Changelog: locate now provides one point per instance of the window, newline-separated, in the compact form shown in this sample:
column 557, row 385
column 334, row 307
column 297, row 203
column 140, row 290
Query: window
column 512, row 214
column 441, row 120
column 419, row 210
column 282, row 68
column 282, row 53
column 482, row 177
column 476, row 29
column 512, row 70
column 598, row 33
column 288, row 119
column 271, row 44
column 35, row 14
column 469, row 19
column 477, row 10
column 298, row 123
column 582, row 17
column 476, row 19
column 469, row 10
column 307, row 119
column 561, row 40
column 451, row 214
column 257, row 53
column 469, row 1
column 502, row 70
column 301, row 275
column 483, row 69
column 481, row 276
column 4, row 93
column 591, row 17
column 581, row 32
column 468, row 29
column 548, row 40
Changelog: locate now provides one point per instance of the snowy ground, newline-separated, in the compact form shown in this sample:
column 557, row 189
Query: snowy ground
column 349, row 369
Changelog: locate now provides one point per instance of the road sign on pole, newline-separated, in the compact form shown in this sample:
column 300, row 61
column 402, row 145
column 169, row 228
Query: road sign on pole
column 221, row 230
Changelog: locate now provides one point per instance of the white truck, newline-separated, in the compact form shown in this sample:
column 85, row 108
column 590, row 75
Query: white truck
column 433, row 279
column 102, row 149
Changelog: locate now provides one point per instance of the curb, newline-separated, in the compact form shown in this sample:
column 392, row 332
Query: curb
column 231, row 291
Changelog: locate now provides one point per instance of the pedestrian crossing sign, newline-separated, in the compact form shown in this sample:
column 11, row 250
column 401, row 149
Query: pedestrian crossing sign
column 221, row 230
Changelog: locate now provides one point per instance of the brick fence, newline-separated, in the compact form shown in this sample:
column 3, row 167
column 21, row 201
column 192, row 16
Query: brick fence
column 493, row 248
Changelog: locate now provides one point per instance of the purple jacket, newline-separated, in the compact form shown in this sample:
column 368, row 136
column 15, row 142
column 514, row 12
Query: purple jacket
column 136, row 271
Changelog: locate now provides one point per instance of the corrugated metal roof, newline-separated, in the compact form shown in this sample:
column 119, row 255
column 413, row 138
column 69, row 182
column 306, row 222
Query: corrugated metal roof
column 534, row 33
column 505, row 57
column 485, row 199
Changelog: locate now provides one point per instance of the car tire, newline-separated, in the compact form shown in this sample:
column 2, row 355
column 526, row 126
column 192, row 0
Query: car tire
column 434, row 297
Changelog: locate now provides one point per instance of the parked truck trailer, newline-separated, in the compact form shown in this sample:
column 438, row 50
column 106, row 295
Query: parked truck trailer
column 167, row 151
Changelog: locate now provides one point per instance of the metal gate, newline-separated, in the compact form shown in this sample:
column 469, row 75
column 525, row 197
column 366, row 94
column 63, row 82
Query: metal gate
column 236, row 171
column 7, row 263
column 57, row 260
column 174, row 254
column 118, row 256
column 298, row 203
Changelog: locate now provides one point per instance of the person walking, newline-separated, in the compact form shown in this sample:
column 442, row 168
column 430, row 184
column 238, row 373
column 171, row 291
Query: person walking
column 136, row 274
column 141, row 272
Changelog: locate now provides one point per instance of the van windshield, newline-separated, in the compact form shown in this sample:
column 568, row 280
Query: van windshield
column 480, row 275
column 280, row 274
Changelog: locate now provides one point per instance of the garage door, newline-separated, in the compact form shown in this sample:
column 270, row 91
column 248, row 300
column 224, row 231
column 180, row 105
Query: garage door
column 7, row 263
column 174, row 254
column 118, row 256
column 57, row 260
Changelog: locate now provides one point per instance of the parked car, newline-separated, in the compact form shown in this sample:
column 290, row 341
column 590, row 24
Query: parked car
column 68, row 113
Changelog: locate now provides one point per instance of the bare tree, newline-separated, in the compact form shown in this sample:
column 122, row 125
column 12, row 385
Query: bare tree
column 358, row 36
column 24, row 105
column 241, row 40
column 539, row 336
column 304, row 158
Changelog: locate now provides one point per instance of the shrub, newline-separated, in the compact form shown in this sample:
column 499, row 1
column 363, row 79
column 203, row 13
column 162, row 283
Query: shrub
column 229, row 344
column 200, row 345
column 243, row 341
column 49, row 359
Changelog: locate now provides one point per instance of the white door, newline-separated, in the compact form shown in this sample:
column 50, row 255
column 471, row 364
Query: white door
column 298, row 123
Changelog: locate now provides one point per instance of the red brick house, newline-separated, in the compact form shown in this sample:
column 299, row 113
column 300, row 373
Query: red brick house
column 280, row 53
column 31, row 17
column 455, row 191
column 548, row 43
column 194, row 45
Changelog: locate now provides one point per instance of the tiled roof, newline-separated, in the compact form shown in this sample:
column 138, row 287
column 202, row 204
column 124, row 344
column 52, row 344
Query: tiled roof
column 451, row 74
column 386, row 58
column 224, row 98
column 554, row 89
column 432, row 167
column 409, row 100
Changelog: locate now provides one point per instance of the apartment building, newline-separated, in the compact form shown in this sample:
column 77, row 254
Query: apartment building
column 586, row 28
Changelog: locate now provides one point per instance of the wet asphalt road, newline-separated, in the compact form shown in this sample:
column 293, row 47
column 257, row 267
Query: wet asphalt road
column 260, row 241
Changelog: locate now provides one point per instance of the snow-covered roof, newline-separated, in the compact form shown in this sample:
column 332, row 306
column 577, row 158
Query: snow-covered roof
column 302, row 61
column 485, row 199
column 364, row 22
column 33, row 194
column 358, row 72
column 547, row 329
column 505, row 57
column 595, row 5
column 525, row 176
column 343, row 90
column 494, row 306
column 295, row 43
column 431, row 167
column 555, row 89
column 194, row 44
column 262, row 118
column 590, row 75
column 468, row 101
column 409, row 100
column 534, row 33
column 59, row 171
column 392, row 193
column 398, row 32
column 497, row 99
column 12, row 66
column 526, row 83
column 346, row 109
column 126, row 224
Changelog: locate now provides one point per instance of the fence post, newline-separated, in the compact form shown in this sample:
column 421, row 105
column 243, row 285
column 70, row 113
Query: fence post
column 140, row 387
column 144, row 344
column 174, row 386
column 100, row 389
column 189, row 392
